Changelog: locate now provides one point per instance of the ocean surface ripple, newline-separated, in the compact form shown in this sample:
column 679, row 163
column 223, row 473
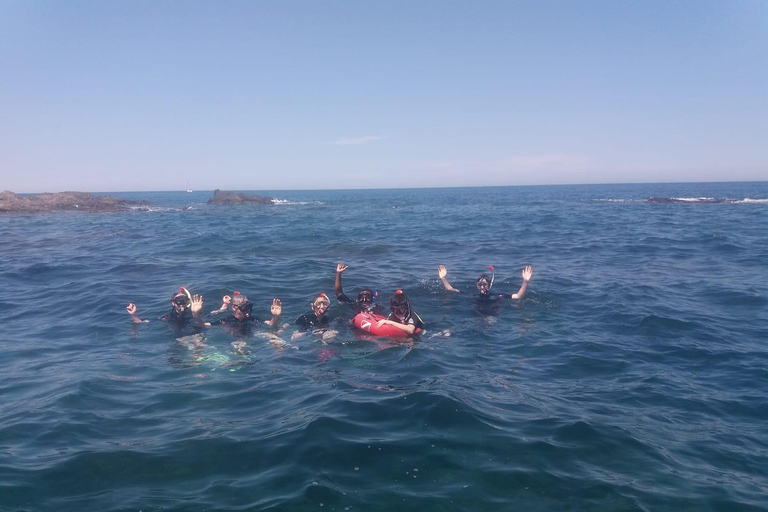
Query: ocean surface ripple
column 633, row 376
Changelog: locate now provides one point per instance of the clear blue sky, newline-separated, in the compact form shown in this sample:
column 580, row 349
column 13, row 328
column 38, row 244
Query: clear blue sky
column 250, row 95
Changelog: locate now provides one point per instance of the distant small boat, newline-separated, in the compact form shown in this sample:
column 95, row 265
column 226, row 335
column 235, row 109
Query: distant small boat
column 188, row 189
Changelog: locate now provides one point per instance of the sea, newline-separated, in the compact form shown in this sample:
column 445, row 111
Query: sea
column 633, row 375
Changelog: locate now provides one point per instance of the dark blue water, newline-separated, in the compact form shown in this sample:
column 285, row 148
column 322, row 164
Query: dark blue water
column 633, row 376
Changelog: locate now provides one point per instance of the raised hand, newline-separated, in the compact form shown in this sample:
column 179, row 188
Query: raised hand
column 442, row 271
column 197, row 304
column 225, row 300
column 277, row 307
column 527, row 273
column 131, row 309
column 340, row 267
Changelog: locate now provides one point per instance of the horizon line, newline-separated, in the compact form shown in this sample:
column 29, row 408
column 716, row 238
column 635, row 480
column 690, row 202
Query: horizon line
column 407, row 188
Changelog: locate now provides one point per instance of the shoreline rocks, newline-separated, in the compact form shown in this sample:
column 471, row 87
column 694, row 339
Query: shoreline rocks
column 64, row 201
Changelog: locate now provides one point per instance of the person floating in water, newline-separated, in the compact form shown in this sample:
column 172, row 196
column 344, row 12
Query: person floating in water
column 242, row 313
column 185, row 310
column 365, row 296
column 317, row 320
column 402, row 316
column 317, row 317
column 484, row 284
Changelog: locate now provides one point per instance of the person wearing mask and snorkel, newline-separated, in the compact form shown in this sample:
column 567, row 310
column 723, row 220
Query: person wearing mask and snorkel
column 185, row 310
column 317, row 321
column 488, row 303
column 365, row 297
column 402, row 316
column 242, row 313
column 485, row 283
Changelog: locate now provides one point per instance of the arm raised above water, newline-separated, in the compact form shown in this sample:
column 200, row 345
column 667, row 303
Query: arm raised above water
column 441, row 273
column 131, row 309
column 196, row 307
column 276, row 310
column 527, row 273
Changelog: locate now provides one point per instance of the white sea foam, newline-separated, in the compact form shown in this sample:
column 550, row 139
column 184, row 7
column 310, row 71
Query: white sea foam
column 157, row 209
column 748, row 200
column 693, row 199
column 287, row 201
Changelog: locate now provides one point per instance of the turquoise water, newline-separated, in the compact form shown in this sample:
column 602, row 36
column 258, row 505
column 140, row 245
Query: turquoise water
column 633, row 376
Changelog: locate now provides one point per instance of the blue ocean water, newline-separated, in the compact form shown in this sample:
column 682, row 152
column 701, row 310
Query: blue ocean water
column 633, row 376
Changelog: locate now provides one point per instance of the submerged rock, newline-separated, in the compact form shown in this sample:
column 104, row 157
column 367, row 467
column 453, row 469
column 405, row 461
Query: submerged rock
column 70, row 201
column 227, row 197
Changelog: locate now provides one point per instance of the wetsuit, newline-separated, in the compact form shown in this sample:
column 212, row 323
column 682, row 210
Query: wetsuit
column 238, row 325
column 356, row 307
column 179, row 322
column 412, row 319
column 310, row 321
column 490, row 304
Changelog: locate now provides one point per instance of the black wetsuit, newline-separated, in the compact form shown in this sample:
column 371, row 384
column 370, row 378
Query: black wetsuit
column 236, row 324
column 310, row 321
column 356, row 307
column 179, row 322
column 490, row 304
column 412, row 319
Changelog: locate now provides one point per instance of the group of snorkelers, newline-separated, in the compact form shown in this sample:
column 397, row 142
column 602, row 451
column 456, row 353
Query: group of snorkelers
column 186, row 309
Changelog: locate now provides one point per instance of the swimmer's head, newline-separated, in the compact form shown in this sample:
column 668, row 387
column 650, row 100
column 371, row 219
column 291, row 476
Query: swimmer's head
column 483, row 284
column 180, row 300
column 320, row 304
column 241, row 306
column 400, row 305
column 365, row 298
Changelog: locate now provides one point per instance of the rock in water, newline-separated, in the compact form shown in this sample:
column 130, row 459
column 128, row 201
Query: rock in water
column 227, row 197
column 71, row 201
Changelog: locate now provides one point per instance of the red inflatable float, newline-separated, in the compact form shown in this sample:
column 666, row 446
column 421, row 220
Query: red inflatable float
column 367, row 322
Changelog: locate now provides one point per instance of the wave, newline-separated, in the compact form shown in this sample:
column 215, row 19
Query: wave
column 289, row 202
column 705, row 200
column 748, row 200
column 159, row 209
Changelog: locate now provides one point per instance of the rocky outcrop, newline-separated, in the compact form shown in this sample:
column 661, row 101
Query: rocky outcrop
column 72, row 201
column 226, row 197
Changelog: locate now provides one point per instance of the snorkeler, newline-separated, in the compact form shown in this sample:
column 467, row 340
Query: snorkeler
column 242, row 313
column 316, row 318
column 484, row 284
column 365, row 297
column 185, row 310
column 402, row 316
column 317, row 321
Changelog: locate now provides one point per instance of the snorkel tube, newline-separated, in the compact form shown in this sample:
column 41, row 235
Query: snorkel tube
column 493, row 275
column 189, row 295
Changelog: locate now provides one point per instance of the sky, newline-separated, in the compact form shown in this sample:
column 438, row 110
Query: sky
column 282, row 95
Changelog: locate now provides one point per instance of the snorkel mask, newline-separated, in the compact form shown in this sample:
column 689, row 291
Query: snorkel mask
column 321, row 301
column 400, row 306
column 365, row 298
column 485, row 283
column 241, row 303
column 182, row 299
